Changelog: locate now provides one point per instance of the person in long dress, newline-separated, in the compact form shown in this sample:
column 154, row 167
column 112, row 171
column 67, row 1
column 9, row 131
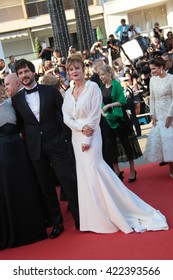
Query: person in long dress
column 105, row 204
column 159, row 146
column 21, row 218
column 119, row 139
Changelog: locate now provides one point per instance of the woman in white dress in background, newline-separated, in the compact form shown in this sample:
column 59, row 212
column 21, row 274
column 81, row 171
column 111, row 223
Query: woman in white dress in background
column 105, row 204
column 159, row 145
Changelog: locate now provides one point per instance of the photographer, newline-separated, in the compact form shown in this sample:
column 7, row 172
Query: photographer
column 158, row 32
column 98, row 51
column 122, row 31
column 144, row 83
column 114, row 46
column 45, row 53
column 133, row 32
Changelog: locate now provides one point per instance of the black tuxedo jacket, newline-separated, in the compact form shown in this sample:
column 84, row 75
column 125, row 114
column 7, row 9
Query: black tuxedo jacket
column 50, row 124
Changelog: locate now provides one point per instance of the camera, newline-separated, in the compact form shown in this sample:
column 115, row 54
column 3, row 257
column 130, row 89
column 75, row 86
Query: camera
column 131, row 28
column 111, row 42
column 87, row 63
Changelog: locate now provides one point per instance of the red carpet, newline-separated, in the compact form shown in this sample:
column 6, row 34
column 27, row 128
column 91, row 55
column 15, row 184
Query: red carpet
column 154, row 186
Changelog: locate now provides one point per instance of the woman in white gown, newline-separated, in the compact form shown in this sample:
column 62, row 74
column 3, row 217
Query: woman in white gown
column 105, row 204
column 159, row 146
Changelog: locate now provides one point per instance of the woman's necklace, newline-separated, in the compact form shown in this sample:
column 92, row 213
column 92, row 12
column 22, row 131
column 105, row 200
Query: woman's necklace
column 77, row 91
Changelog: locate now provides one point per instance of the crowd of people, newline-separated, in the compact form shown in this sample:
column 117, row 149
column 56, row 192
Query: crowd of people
column 70, row 122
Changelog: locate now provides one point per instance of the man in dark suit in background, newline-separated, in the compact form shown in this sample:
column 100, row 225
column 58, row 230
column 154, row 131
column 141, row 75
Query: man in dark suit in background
column 38, row 109
column 97, row 64
column 169, row 62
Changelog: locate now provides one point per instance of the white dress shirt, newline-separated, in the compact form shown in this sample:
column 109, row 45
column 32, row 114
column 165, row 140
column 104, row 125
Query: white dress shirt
column 33, row 101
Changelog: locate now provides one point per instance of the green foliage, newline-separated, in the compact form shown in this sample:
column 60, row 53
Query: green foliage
column 99, row 33
column 37, row 46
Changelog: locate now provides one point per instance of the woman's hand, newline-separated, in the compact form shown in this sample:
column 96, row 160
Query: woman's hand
column 106, row 107
column 85, row 147
column 103, row 114
column 87, row 130
column 154, row 120
column 168, row 122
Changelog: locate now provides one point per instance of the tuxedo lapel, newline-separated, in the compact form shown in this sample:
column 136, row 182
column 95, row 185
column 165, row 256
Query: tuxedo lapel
column 42, row 100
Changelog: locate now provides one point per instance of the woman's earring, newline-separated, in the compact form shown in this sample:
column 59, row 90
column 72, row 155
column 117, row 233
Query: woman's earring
column 161, row 71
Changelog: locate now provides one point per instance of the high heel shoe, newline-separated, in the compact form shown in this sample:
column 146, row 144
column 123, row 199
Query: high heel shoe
column 121, row 176
column 131, row 180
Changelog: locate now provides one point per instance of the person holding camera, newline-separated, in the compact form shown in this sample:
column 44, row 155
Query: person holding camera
column 158, row 32
column 98, row 51
column 45, row 53
column 133, row 32
column 122, row 31
column 114, row 46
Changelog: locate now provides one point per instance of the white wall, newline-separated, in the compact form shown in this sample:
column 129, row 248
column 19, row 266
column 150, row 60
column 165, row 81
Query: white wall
column 169, row 7
column 113, row 21
column 1, row 51
column 21, row 47
column 114, row 11
column 119, row 6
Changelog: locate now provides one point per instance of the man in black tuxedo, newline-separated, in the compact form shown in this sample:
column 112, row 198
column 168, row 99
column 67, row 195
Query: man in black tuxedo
column 38, row 110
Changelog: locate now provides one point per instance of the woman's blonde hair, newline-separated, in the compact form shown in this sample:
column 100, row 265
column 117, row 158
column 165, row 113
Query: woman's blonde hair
column 71, row 60
column 109, row 70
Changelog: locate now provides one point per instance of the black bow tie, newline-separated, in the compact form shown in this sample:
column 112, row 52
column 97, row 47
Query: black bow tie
column 29, row 91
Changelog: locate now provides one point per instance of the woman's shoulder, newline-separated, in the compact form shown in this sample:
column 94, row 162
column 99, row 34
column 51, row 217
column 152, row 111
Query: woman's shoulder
column 93, row 89
column 153, row 79
column 115, row 82
column 7, row 106
column 116, row 85
column 7, row 102
column 69, row 90
column 92, row 85
column 170, row 76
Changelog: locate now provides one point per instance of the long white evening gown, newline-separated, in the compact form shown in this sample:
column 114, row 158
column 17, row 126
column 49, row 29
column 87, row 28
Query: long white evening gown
column 105, row 204
column 159, row 146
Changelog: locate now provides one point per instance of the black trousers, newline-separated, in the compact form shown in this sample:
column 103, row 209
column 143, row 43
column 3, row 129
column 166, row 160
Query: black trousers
column 58, row 158
column 110, row 149
column 134, row 119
